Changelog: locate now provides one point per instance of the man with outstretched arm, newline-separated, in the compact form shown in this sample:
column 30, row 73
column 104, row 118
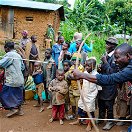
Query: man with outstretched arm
column 123, row 57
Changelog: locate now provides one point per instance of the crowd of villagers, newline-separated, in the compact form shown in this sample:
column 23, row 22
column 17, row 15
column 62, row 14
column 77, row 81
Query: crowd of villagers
column 53, row 78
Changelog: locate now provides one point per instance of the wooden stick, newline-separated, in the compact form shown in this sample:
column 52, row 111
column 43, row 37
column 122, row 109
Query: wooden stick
column 79, row 86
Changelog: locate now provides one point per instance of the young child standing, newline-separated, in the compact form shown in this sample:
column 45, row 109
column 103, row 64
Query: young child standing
column 64, row 55
column 38, row 80
column 90, row 91
column 49, row 73
column 59, row 88
column 74, row 92
column 34, row 53
column 66, row 67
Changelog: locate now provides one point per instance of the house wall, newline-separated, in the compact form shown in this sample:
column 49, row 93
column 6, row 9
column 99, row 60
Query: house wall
column 36, row 27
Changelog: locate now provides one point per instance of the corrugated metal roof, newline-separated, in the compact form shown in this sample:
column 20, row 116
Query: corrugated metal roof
column 34, row 5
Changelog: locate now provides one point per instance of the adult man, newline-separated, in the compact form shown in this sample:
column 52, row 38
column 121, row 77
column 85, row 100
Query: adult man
column 106, row 96
column 11, row 95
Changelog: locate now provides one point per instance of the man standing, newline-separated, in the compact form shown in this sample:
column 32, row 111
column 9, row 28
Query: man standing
column 11, row 95
column 106, row 96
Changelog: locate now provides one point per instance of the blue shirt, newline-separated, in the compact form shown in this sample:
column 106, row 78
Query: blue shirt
column 119, row 77
column 38, row 78
column 85, row 48
column 56, row 49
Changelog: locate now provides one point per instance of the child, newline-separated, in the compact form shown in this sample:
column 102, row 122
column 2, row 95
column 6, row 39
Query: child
column 59, row 88
column 34, row 53
column 56, row 49
column 38, row 80
column 66, row 67
column 90, row 91
column 64, row 55
column 73, row 89
column 49, row 70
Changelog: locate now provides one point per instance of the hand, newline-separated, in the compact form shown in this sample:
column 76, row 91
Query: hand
column 104, row 59
column 99, row 68
column 58, row 88
column 77, row 74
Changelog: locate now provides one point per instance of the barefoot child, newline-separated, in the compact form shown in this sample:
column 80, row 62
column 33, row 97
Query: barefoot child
column 38, row 80
column 66, row 67
column 90, row 91
column 74, row 92
column 59, row 88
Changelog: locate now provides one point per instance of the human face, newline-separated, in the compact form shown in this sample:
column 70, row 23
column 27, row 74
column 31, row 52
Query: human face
column 24, row 35
column 74, row 62
column 6, row 49
column 61, row 40
column 109, row 47
column 34, row 39
column 121, row 59
column 65, row 46
column 78, row 45
column 66, row 66
column 60, row 75
column 89, row 66
column 36, row 66
column 47, row 54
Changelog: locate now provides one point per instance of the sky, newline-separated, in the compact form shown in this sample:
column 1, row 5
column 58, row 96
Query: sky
column 71, row 2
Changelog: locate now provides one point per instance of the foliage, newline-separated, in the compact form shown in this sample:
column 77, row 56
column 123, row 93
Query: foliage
column 81, row 15
column 1, row 53
column 120, row 13
column 47, row 1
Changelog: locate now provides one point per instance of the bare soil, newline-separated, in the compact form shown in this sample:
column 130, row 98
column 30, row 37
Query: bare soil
column 33, row 121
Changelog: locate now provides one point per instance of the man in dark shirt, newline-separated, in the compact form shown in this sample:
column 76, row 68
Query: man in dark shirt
column 106, row 96
column 123, row 57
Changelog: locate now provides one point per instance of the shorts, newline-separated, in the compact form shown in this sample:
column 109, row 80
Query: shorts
column 39, row 89
column 82, row 113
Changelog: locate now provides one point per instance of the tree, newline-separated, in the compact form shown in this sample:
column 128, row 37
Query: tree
column 81, row 15
column 120, row 13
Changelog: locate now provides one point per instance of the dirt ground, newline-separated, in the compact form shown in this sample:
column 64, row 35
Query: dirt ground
column 33, row 121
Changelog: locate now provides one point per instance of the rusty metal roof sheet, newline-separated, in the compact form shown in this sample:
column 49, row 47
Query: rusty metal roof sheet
column 34, row 5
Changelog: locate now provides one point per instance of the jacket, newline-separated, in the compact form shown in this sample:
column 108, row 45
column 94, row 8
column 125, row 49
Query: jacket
column 13, row 64
column 58, row 90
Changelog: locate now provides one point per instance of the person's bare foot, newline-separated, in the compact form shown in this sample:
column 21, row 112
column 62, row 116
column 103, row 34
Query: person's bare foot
column 49, row 107
column 89, row 128
column 61, row 122
column 51, row 120
column 75, row 122
column 36, row 105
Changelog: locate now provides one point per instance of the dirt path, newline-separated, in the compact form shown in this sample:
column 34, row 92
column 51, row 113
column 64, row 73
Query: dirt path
column 33, row 121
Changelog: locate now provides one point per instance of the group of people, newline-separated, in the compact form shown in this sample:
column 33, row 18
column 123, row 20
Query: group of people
column 56, row 76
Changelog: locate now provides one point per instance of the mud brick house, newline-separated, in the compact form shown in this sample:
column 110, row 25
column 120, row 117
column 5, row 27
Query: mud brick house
column 16, row 16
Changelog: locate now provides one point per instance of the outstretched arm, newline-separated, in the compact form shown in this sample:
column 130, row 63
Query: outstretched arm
column 80, row 75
